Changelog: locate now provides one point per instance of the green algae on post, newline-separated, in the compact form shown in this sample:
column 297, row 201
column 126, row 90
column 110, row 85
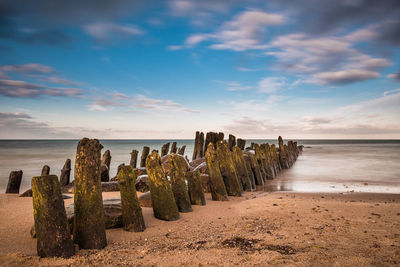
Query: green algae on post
column 217, row 186
column 241, row 168
column 132, row 217
column 162, row 198
column 89, row 221
column 228, row 170
column 177, row 167
column 196, row 193
column 51, row 225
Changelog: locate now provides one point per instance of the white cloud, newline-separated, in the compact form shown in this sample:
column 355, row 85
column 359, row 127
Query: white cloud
column 105, row 31
column 142, row 103
column 30, row 68
column 343, row 77
column 271, row 84
column 328, row 59
column 395, row 76
column 245, row 31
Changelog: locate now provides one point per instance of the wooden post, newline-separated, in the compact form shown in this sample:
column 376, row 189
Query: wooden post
column 164, row 149
column 65, row 173
column 51, row 225
column 196, row 193
column 177, row 166
column 162, row 197
column 145, row 153
column 45, row 170
column 241, row 168
column 181, row 150
column 196, row 147
column 241, row 143
column 218, row 190
column 132, row 217
column 89, row 221
column 173, row 148
column 228, row 170
column 134, row 155
column 14, row 182
column 256, row 169
column 201, row 145
column 231, row 142
column 250, row 171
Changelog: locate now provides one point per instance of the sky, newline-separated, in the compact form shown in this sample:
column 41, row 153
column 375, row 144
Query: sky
column 303, row 69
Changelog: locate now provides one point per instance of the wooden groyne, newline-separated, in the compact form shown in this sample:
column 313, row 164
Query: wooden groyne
column 171, row 184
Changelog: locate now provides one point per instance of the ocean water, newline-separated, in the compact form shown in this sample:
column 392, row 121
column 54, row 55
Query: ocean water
column 324, row 165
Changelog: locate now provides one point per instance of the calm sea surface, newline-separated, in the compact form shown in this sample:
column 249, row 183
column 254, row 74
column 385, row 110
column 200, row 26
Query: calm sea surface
column 324, row 165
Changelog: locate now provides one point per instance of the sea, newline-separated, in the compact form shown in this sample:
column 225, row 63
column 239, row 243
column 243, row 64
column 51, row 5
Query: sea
column 323, row 166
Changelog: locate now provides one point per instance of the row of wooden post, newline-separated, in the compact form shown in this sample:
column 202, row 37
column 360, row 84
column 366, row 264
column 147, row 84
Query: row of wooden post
column 231, row 171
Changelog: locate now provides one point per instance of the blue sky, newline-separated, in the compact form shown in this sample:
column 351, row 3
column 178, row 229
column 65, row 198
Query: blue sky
column 164, row 69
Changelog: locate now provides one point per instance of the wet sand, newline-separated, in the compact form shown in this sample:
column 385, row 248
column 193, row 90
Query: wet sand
column 295, row 229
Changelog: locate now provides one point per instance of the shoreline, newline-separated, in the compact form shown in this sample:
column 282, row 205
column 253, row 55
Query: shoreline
column 279, row 228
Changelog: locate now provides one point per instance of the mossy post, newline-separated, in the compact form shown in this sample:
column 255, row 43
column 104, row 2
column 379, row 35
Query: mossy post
column 250, row 171
column 256, row 169
column 134, row 155
column 241, row 143
column 177, row 167
column 228, row 170
column 231, row 142
column 196, row 193
column 132, row 217
column 162, row 198
column 145, row 153
column 14, row 182
column 89, row 221
column 181, row 150
column 217, row 186
column 65, row 173
column 241, row 168
column 51, row 225
column 174, row 148
column 45, row 170
column 106, row 160
column 164, row 149
column 198, row 150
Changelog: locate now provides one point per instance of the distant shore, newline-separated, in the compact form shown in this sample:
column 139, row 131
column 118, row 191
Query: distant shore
column 354, row 229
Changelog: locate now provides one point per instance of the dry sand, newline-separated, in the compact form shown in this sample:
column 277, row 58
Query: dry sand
column 288, row 229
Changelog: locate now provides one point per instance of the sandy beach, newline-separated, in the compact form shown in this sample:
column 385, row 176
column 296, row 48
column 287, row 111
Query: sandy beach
column 259, row 228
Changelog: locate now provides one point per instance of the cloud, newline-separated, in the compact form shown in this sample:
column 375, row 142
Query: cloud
column 344, row 77
column 316, row 120
column 389, row 101
column 31, row 68
column 141, row 102
column 330, row 60
column 395, row 76
column 234, row 86
column 21, row 89
column 245, row 31
column 107, row 31
column 331, row 15
column 63, row 81
column 271, row 84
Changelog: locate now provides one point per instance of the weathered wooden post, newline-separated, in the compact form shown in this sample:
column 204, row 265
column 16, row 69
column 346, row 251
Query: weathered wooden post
column 164, row 149
column 65, row 173
column 145, row 153
column 105, row 166
column 256, row 169
column 241, row 168
column 231, row 142
column 282, row 153
column 132, row 217
column 162, row 198
column 220, row 137
column 196, row 193
column 250, row 170
column 104, row 173
column 173, row 148
column 51, row 225
column 241, row 143
column 181, row 150
column 228, row 170
column 198, row 150
column 89, row 221
column 106, row 160
column 14, row 182
column 177, row 166
column 45, row 170
column 134, row 155
column 218, row 190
